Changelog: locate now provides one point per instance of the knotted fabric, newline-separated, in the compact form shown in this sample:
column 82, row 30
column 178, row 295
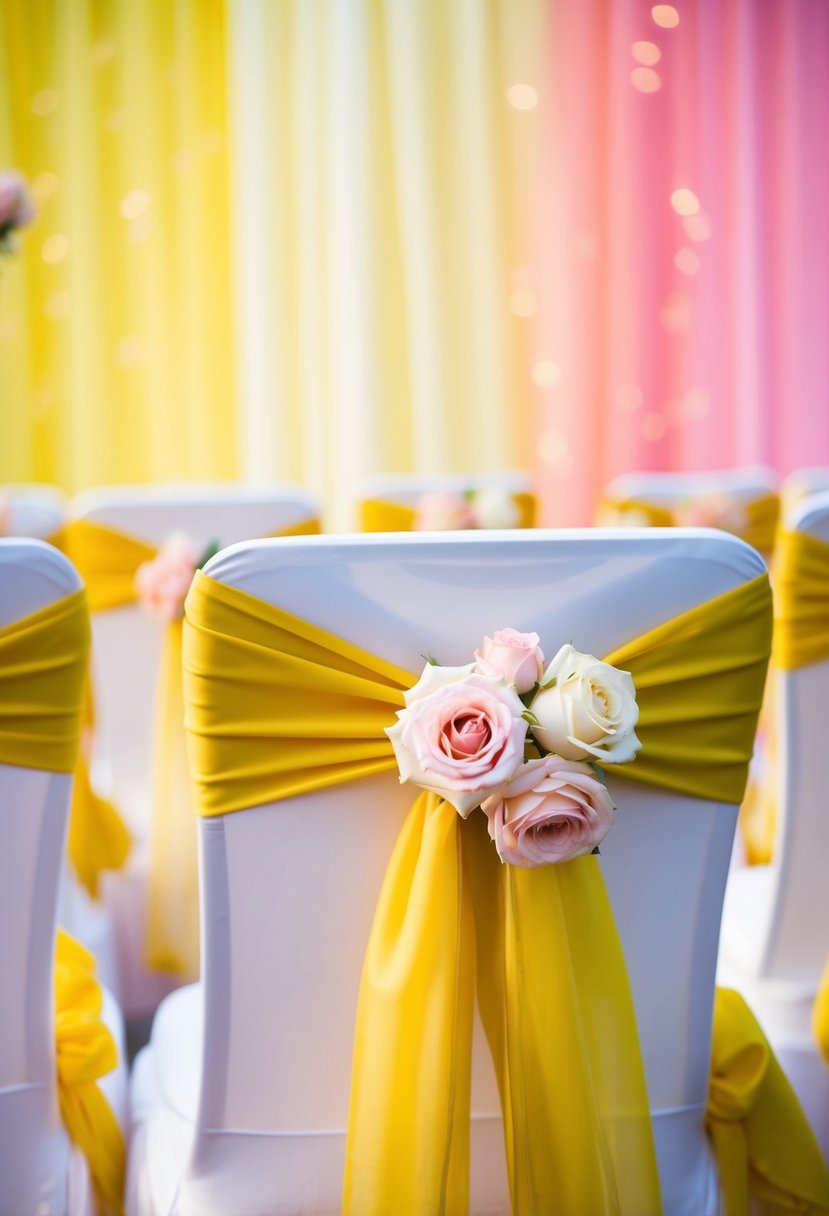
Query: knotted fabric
column 108, row 561
column 754, row 519
column 382, row 515
column 765, row 1148
column 277, row 707
column 43, row 665
column 85, row 1052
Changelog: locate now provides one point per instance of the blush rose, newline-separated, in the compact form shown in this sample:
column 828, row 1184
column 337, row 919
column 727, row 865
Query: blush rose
column 441, row 511
column 162, row 584
column 515, row 656
column 461, row 735
column 553, row 811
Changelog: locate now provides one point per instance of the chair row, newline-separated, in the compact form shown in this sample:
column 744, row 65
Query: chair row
column 296, row 654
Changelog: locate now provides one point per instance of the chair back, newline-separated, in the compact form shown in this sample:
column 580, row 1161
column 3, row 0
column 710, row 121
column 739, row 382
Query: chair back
column 33, row 510
column 289, row 889
column 669, row 489
column 34, row 807
column 127, row 641
column 793, row 940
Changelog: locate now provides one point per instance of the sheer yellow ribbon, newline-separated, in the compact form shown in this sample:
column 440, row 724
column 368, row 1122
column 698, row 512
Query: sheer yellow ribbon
column 277, row 707
column 765, row 1147
column 43, row 665
column 86, row 1052
column 758, row 524
column 108, row 561
column 380, row 515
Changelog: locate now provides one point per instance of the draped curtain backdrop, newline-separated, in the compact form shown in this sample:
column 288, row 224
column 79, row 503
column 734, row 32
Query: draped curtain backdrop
column 683, row 241
column 311, row 241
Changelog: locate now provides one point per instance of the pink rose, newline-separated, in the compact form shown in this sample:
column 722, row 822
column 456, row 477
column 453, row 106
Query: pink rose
column 442, row 511
column 514, row 656
column 461, row 735
column 554, row 810
column 163, row 583
column 16, row 208
column 713, row 510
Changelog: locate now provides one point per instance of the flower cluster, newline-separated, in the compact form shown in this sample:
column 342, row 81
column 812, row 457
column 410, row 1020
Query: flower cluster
column 523, row 742
column 712, row 510
column 162, row 583
column 444, row 510
column 16, row 209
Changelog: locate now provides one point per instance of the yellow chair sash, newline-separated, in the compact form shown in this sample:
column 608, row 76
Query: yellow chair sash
column 43, row 664
column 85, row 1052
column 381, row 515
column 765, row 1147
column 801, row 601
column 276, row 707
column 108, row 561
column 758, row 527
column 43, row 660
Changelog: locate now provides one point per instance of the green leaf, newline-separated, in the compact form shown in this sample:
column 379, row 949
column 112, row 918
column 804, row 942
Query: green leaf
column 211, row 551
column 530, row 717
column 430, row 659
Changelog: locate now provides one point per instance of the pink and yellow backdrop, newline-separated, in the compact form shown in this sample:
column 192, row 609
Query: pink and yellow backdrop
column 314, row 242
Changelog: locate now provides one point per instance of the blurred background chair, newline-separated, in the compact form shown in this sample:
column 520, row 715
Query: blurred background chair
column 111, row 532
column 40, row 1169
column 244, row 1087
column 775, row 939
column 741, row 501
column 29, row 509
column 404, row 502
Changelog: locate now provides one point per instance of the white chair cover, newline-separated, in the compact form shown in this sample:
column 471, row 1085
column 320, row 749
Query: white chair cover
column 126, row 656
column 40, row 1171
column 669, row 489
column 775, row 938
column 36, row 510
column 252, row 1117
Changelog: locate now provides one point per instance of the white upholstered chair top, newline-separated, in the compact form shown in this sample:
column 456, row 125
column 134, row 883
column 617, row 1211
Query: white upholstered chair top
column 776, row 917
column 406, row 488
column 40, row 1172
column 34, row 510
column 669, row 489
column 240, row 1101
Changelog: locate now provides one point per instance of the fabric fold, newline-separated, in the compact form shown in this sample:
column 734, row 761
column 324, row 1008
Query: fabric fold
column 276, row 706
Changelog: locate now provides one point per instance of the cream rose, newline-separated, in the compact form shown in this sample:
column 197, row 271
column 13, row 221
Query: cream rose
column 162, row 584
column 461, row 735
column 515, row 656
column 496, row 508
column 554, row 810
column 586, row 708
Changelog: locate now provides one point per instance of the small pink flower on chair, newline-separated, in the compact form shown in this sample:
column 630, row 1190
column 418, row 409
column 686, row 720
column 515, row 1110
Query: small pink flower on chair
column 553, row 811
column 162, row 584
column 16, row 209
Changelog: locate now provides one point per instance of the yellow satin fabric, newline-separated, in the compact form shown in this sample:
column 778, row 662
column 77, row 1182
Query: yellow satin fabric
column 820, row 1014
column 277, row 707
column 760, row 516
column 380, row 515
column 765, row 1148
column 108, row 561
column 801, row 601
column 85, row 1052
column 43, row 661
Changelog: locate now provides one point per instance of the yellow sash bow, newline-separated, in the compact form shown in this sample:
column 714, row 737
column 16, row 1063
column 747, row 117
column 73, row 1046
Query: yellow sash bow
column 380, row 515
column 43, row 665
column 277, row 707
column 86, row 1052
column 757, row 526
column 108, row 561
column 764, row 1144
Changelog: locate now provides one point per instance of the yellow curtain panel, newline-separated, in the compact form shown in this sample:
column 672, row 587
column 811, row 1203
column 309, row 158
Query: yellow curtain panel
column 116, row 336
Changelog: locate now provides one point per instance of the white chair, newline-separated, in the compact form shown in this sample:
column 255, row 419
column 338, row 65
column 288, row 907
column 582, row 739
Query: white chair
column 33, row 509
column 801, row 483
column 405, row 489
column 776, row 918
column 716, row 498
column 126, row 655
column 240, row 1102
column 40, row 1171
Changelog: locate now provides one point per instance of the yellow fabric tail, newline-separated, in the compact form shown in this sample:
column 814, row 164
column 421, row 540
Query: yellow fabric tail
column 86, row 1052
